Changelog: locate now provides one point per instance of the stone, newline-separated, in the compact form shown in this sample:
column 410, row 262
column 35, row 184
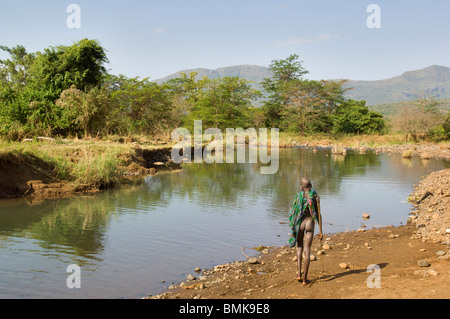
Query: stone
column 391, row 236
column 423, row 263
column 343, row 265
column 366, row 216
column 198, row 269
column 326, row 247
column 190, row 277
column 423, row 250
column 432, row 272
column 312, row 257
column 252, row 260
column 440, row 253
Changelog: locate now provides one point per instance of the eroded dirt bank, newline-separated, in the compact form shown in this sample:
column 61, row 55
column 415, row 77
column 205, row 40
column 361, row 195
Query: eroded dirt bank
column 24, row 174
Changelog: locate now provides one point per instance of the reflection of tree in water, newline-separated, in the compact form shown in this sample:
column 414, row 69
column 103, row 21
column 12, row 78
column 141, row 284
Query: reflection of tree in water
column 214, row 184
column 325, row 170
column 77, row 224
column 233, row 185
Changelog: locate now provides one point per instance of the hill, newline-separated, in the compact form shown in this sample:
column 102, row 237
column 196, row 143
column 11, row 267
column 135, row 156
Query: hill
column 434, row 79
column 254, row 73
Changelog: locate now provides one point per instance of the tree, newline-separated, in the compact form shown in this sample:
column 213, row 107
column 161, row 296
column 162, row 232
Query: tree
column 446, row 126
column 58, row 68
column 283, row 73
column 83, row 110
column 418, row 118
column 355, row 117
column 222, row 103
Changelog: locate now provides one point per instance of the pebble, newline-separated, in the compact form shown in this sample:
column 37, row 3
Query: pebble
column 198, row 269
column 440, row 253
column 423, row 263
column 432, row 272
column 190, row 277
column 343, row 265
column 391, row 236
column 423, row 250
column 326, row 247
column 366, row 216
column 253, row 260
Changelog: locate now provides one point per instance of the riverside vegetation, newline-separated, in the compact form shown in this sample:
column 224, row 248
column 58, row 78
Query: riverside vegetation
column 66, row 95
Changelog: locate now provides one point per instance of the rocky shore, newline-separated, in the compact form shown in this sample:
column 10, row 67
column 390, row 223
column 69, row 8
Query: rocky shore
column 425, row 151
column 431, row 200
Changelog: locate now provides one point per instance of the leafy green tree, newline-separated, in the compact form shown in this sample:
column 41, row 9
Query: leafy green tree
column 446, row 126
column 222, row 103
column 80, row 64
column 284, row 71
column 83, row 110
column 355, row 117
column 144, row 106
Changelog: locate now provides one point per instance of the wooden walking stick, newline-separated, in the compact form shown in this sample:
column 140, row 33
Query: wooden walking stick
column 321, row 238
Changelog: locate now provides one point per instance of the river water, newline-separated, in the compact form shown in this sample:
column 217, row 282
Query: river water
column 126, row 242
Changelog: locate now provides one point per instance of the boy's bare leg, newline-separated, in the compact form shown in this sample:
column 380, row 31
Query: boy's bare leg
column 299, row 255
column 307, row 243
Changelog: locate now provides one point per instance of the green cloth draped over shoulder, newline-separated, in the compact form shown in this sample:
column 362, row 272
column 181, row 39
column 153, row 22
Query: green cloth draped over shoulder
column 302, row 205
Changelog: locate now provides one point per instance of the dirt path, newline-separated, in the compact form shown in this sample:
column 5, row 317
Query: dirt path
column 396, row 250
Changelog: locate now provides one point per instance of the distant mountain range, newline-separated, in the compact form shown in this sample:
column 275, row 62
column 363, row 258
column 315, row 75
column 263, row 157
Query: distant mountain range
column 434, row 79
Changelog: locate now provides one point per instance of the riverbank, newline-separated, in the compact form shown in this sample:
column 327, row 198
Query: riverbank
column 59, row 168
column 413, row 261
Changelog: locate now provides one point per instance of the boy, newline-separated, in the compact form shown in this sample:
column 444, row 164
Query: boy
column 302, row 217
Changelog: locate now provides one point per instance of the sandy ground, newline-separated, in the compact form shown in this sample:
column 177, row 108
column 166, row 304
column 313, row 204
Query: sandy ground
column 341, row 272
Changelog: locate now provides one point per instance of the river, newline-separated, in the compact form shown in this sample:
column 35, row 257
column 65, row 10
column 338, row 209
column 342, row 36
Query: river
column 137, row 240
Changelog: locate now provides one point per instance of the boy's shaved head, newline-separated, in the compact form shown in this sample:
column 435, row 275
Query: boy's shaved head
column 305, row 183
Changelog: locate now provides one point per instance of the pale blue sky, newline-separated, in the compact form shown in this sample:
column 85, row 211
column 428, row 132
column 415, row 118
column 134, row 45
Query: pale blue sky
column 157, row 38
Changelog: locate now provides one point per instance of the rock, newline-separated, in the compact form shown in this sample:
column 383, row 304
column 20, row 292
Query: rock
column 326, row 246
column 294, row 258
column 423, row 250
column 198, row 269
column 432, row 272
column 312, row 257
column 252, row 260
column 343, row 265
column 423, row 263
column 366, row 216
column 440, row 253
column 391, row 236
column 421, row 272
column 190, row 277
